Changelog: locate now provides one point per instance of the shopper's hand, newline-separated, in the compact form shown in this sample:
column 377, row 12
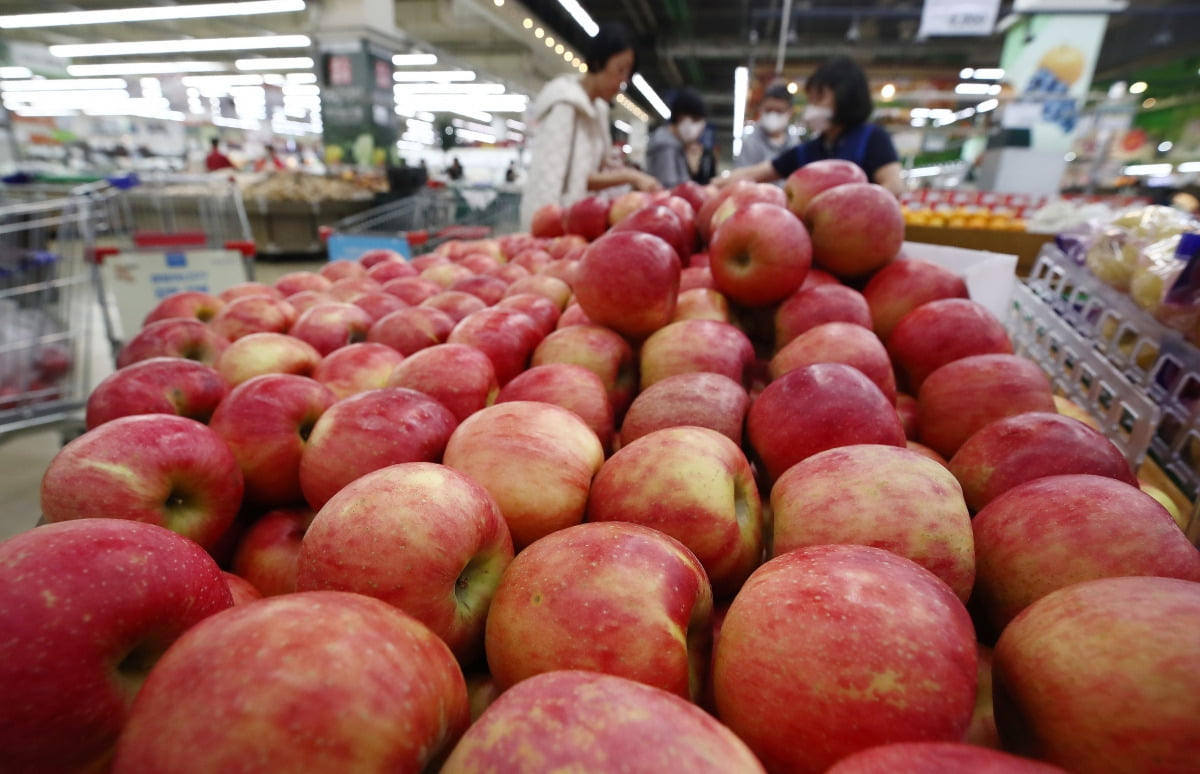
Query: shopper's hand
column 643, row 182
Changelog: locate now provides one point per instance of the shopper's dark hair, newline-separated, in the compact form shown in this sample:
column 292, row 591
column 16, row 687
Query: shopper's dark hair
column 851, row 93
column 687, row 102
column 612, row 39
column 779, row 91
column 215, row 141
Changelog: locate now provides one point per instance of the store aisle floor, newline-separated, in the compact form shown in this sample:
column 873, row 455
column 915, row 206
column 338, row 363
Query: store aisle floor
column 24, row 456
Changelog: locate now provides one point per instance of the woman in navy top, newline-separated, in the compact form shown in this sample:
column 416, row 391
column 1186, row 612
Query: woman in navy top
column 839, row 104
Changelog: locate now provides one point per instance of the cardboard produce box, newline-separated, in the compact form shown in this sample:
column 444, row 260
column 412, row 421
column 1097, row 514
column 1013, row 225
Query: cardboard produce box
column 1023, row 244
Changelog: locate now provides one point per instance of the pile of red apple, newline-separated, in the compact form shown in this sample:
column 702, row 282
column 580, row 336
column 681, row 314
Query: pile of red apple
column 712, row 480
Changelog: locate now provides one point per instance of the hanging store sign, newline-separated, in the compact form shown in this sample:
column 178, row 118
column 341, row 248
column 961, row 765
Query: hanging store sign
column 958, row 17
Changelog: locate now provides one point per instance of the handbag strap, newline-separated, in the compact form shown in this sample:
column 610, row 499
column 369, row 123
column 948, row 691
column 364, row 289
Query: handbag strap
column 570, row 155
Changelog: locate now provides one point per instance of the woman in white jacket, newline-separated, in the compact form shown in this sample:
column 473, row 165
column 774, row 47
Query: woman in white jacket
column 571, row 130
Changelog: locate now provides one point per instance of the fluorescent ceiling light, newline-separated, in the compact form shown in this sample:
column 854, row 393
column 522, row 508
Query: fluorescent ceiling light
column 650, row 95
column 457, row 103
column 144, row 68
column 248, row 79
column 64, row 84
column 301, row 78
column 1188, row 166
column 15, row 72
column 410, row 60
column 1069, row 6
column 511, row 124
column 922, row 172
column 424, row 76
column 623, row 126
column 279, row 63
column 470, row 134
column 580, row 16
column 152, row 13
column 1148, row 170
column 741, row 85
column 972, row 88
column 401, row 89
column 1138, row 88
column 988, row 74
column 986, row 105
column 180, row 46
column 301, row 90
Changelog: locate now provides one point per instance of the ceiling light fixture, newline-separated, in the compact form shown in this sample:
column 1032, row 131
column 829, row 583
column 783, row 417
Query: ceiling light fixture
column 888, row 91
column 279, row 63
column 741, row 87
column 64, row 84
column 972, row 88
column 1138, row 88
column 651, row 95
column 424, row 76
column 142, row 68
column 15, row 72
column 179, row 46
column 581, row 17
column 408, row 60
column 151, row 13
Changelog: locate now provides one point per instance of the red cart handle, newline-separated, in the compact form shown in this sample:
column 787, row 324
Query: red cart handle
column 246, row 248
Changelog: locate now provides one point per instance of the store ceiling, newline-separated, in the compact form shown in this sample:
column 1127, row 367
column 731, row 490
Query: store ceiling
column 696, row 42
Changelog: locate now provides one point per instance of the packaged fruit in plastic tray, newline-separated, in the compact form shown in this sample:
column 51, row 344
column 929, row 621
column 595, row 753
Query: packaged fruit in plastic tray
column 1114, row 253
column 1166, row 283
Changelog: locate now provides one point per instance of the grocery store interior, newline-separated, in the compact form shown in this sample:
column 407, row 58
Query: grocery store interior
column 1014, row 120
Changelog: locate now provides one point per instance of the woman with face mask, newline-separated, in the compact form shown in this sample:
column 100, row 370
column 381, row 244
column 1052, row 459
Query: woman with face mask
column 770, row 136
column 837, row 113
column 667, row 153
column 571, row 139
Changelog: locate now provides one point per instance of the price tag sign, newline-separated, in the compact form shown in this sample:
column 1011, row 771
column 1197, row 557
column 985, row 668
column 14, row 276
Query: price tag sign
column 958, row 17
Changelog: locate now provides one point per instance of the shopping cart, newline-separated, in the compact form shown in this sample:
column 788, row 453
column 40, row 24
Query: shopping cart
column 162, row 235
column 47, row 313
column 420, row 222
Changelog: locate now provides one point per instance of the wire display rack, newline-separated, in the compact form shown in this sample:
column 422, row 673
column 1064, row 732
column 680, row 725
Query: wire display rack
column 47, row 311
column 420, row 222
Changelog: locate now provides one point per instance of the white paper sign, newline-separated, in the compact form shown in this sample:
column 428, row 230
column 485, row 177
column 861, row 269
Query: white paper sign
column 958, row 17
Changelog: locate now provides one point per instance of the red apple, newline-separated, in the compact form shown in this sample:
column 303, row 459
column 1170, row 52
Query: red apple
column 369, row 431
column 856, row 228
column 613, row 597
column 536, row 459
column 87, row 607
column 188, row 304
column 881, row 496
column 834, row 649
column 507, row 336
column 337, row 270
column 629, row 282
column 332, row 325
column 436, row 258
column 378, row 304
column 541, row 310
column 661, row 221
column 817, row 277
column 253, row 314
column 813, row 178
column 939, row 332
column 692, row 192
column 910, row 414
column 695, row 485
column 809, row 307
column 173, row 337
column 602, row 351
column 700, row 399
column 157, row 468
column 1052, row 532
column 446, row 274
column 902, row 286
column 411, row 330
column 357, row 368
column 938, row 758
column 458, row 376
column 266, row 554
column 741, row 197
column 243, row 289
column 507, row 272
column 760, row 254
column 411, row 290
column 350, row 289
column 839, row 342
column 574, row 315
column 478, row 262
column 1102, row 676
column 354, row 685
column 553, row 288
column 487, row 289
column 297, row 281
column 628, row 727
column 421, row 537
column 626, row 204
column 387, row 271
column 689, row 346
column 702, row 304
column 160, row 385
column 695, row 277
column 307, row 299
column 549, row 221
column 573, row 387
column 532, row 259
column 456, row 304
column 242, row 591
column 963, row 396
column 587, row 217
column 815, row 408
column 1020, row 448
column 266, row 353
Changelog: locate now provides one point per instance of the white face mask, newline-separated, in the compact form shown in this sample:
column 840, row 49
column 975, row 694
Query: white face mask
column 774, row 121
column 817, row 117
column 689, row 130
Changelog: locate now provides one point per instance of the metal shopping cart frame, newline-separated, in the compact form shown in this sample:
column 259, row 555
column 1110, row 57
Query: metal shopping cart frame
column 47, row 312
column 419, row 223
column 164, row 234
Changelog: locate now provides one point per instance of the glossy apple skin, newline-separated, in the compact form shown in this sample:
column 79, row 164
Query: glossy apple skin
column 942, row 331
column 838, row 342
column 419, row 536
column 1101, row 676
column 628, row 281
column 601, row 350
column 193, row 304
column 507, row 336
column 267, row 423
column 760, row 255
column 253, row 314
column 369, row 431
column 700, row 399
column 266, row 554
column 695, row 485
column 357, row 368
column 536, row 459
column 856, row 228
column 612, row 597
column 458, row 376
column 901, row 286
column 573, row 387
column 689, row 346
column 156, row 468
column 813, row 306
column 411, row 330
column 86, row 608
column 813, row 178
column 882, row 496
column 332, row 324
column 319, row 681
column 938, row 758
column 160, row 385
column 266, row 353
column 1056, row 531
column 629, row 727
column 830, row 650
column 173, row 337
